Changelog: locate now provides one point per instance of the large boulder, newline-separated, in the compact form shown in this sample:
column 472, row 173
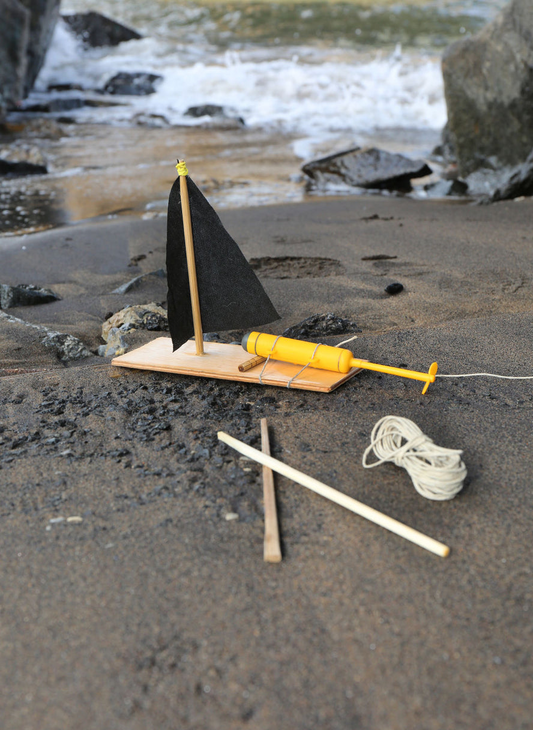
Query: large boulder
column 43, row 19
column 488, row 83
column 14, row 35
column 25, row 34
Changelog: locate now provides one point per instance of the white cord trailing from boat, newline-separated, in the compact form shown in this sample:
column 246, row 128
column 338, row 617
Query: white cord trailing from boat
column 487, row 375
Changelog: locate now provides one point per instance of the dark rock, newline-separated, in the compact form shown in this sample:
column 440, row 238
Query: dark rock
column 67, row 347
column 132, row 84
column 14, row 36
column 43, row 18
column 20, row 159
column 213, row 110
column 155, row 121
column 65, row 87
column 25, row 295
column 97, row 30
column 488, row 82
column 55, row 105
column 25, row 34
column 519, row 182
column 321, row 325
column 205, row 110
column 19, row 169
column 366, row 168
column 395, row 288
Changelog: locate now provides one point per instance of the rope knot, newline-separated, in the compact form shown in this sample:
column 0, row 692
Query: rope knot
column 181, row 167
column 437, row 473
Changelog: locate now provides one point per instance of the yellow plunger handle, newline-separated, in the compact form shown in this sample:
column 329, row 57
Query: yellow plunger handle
column 428, row 377
column 323, row 357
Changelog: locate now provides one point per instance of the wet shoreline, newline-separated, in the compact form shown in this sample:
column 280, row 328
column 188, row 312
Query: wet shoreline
column 98, row 171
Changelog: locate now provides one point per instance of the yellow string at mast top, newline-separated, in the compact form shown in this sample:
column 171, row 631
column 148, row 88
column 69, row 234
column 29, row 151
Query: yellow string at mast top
column 181, row 167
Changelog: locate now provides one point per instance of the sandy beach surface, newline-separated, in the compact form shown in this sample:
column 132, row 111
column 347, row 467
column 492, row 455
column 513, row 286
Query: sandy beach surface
column 154, row 610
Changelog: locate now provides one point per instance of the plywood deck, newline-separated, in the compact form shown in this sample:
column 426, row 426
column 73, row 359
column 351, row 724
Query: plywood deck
column 222, row 361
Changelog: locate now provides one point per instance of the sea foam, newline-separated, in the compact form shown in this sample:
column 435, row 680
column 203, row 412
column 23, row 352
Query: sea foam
column 311, row 93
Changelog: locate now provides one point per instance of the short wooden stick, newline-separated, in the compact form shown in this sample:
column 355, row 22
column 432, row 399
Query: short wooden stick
column 251, row 363
column 428, row 543
column 272, row 548
column 191, row 266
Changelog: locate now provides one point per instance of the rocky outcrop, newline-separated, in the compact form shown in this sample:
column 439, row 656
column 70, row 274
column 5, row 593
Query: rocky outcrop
column 321, row 325
column 149, row 317
column 25, row 34
column 488, row 81
column 14, row 35
column 25, row 295
column 43, row 19
column 366, row 168
column 96, row 30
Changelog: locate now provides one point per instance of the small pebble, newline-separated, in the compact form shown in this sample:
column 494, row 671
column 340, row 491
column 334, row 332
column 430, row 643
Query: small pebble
column 231, row 516
column 56, row 519
column 395, row 288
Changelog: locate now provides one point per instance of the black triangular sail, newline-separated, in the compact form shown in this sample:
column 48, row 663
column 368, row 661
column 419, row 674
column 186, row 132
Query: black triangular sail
column 231, row 296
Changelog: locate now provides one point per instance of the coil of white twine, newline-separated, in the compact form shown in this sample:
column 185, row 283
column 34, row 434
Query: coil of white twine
column 437, row 473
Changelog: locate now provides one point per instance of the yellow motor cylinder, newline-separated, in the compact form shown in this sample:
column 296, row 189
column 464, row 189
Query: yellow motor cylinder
column 324, row 357
column 298, row 352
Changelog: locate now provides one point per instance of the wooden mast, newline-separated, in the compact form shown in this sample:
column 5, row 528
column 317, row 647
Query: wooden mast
column 191, row 263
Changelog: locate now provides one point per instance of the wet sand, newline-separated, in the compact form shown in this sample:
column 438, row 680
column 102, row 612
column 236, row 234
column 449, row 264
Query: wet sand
column 235, row 166
column 156, row 611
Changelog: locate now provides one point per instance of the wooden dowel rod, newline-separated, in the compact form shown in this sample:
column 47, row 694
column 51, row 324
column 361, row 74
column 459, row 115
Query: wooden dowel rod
column 251, row 363
column 272, row 548
column 428, row 543
column 191, row 266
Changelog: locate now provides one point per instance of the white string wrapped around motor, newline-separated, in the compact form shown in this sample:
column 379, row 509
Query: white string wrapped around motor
column 437, row 473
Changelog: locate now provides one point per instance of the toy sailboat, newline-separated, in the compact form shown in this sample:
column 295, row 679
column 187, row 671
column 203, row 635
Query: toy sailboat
column 211, row 287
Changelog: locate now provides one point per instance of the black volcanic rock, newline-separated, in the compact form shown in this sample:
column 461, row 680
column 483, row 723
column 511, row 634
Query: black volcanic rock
column 97, row 30
column 365, row 168
column 132, row 84
column 321, row 325
column 24, row 295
